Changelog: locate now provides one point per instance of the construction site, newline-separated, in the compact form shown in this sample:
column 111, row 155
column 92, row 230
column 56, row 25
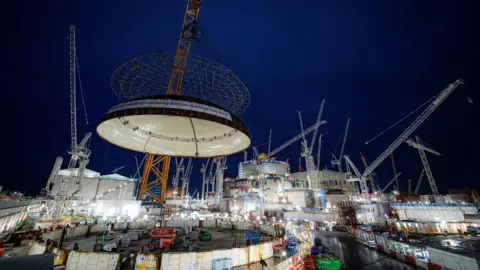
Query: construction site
column 175, row 108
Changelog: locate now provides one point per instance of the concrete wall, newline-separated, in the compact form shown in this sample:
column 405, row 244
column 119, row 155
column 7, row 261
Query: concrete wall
column 9, row 204
column 82, row 231
column 92, row 187
column 182, row 223
column 55, row 235
column 433, row 212
column 331, row 217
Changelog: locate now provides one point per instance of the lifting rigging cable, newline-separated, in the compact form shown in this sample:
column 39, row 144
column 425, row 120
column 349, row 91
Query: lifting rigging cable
column 401, row 120
column 81, row 90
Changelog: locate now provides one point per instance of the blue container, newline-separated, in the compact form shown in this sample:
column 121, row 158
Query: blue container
column 317, row 241
column 252, row 235
column 314, row 251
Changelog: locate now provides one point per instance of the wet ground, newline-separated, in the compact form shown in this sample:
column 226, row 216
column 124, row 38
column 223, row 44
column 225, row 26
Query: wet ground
column 355, row 256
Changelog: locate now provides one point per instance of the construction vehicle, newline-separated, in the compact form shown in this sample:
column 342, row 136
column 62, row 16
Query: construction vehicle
column 161, row 237
column 205, row 235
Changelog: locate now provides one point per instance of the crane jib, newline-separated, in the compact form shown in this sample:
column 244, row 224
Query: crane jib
column 407, row 132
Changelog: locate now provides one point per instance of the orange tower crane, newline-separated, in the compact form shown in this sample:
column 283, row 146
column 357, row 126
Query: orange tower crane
column 156, row 168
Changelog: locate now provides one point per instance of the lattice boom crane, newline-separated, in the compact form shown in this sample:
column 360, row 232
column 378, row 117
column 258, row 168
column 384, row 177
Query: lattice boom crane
column 187, row 35
column 421, row 151
column 296, row 138
column 424, row 115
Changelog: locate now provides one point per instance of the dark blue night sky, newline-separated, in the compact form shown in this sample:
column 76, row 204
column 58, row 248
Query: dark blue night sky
column 374, row 61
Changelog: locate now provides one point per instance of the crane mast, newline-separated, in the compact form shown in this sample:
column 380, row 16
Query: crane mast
column 203, row 170
column 319, row 150
column 53, row 174
column 338, row 161
column 179, row 168
column 312, row 172
column 73, row 93
column 423, row 157
column 370, row 176
column 391, row 181
column 361, row 180
column 160, row 165
column 315, row 131
column 407, row 132
column 186, row 178
column 394, row 171
column 79, row 152
column 417, row 188
column 428, row 171
column 187, row 35
column 221, row 167
column 269, row 142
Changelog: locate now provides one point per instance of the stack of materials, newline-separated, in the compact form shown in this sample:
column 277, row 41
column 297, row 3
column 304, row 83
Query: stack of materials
column 291, row 243
column 252, row 237
column 123, row 241
column 134, row 235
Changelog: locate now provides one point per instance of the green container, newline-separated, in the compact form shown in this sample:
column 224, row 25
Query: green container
column 327, row 264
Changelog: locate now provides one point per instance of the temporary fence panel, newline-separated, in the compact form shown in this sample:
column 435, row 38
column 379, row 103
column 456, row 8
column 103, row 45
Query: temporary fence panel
column 92, row 260
column 243, row 256
column 55, row 235
column 164, row 261
column 196, row 260
column 234, row 256
column 222, row 264
column 172, row 261
column 120, row 226
column 149, row 225
column 76, row 232
column 36, row 248
column 452, row 260
column 135, row 225
column 267, row 250
column 254, row 253
column 186, row 260
column 209, row 223
column 61, row 255
column 206, row 260
column 146, row 262
column 182, row 223
column 98, row 228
